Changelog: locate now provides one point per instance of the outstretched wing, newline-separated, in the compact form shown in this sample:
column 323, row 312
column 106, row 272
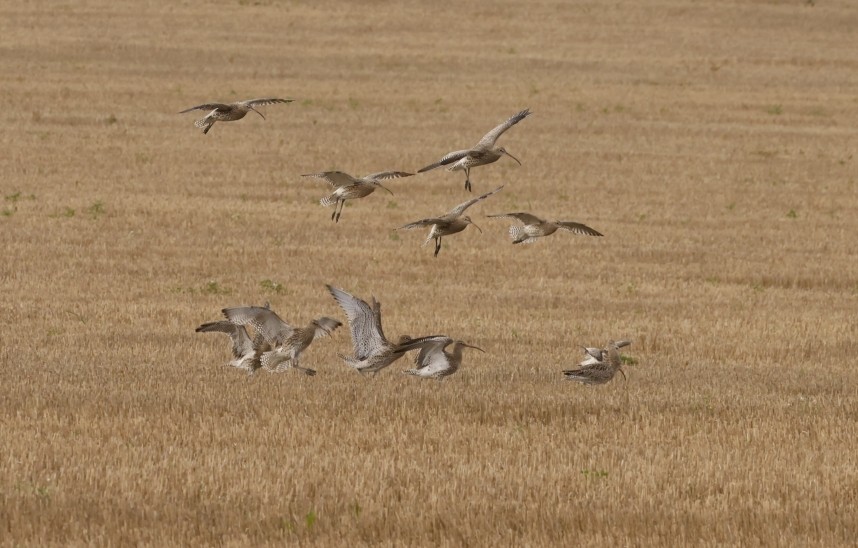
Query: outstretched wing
column 421, row 223
column 265, row 101
column 525, row 218
column 488, row 140
column 459, row 209
column 366, row 333
column 325, row 326
column 207, row 106
column 266, row 322
column 430, row 352
column 451, row 157
column 384, row 175
column 241, row 343
column 578, row 228
column 336, row 179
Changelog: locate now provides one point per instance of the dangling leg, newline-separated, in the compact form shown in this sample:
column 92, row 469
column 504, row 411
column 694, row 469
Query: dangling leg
column 342, row 204
column 468, row 179
column 334, row 214
column 437, row 245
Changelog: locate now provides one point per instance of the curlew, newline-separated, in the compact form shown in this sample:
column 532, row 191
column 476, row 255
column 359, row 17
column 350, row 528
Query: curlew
column 347, row 187
column 286, row 343
column 372, row 351
column 481, row 154
column 433, row 362
column 450, row 223
column 534, row 227
column 600, row 366
column 228, row 112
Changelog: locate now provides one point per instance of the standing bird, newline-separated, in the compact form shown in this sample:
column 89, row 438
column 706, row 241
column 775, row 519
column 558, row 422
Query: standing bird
column 600, row 372
column 483, row 152
column 347, row 187
column 286, row 342
column 450, row 223
column 223, row 112
column 433, row 362
column 372, row 351
column 534, row 227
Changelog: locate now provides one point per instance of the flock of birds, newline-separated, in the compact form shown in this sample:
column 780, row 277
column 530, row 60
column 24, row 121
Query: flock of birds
column 276, row 346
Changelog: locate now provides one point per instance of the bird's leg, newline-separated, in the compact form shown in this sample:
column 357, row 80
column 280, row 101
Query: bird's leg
column 437, row 245
column 334, row 214
column 342, row 204
column 468, row 179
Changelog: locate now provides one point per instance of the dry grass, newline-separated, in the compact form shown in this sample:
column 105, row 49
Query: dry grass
column 713, row 143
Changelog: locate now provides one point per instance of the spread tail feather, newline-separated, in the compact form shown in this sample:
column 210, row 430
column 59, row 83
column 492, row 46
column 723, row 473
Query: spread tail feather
column 204, row 124
column 519, row 236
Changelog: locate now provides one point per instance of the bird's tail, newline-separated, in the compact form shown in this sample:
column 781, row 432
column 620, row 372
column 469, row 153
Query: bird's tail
column 519, row 236
column 328, row 201
column 204, row 124
column 411, row 372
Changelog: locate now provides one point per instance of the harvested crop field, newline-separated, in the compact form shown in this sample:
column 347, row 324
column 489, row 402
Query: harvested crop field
column 713, row 144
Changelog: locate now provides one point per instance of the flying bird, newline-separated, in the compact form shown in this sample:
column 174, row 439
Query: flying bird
column 481, row 154
column 534, row 227
column 286, row 343
column 449, row 223
column 372, row 350
column 347, row 187
column 229, row 112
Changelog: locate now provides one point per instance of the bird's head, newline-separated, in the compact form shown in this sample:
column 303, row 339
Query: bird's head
column 466, row 345
column 376, row 183
column 502, row 150
column 470, row 222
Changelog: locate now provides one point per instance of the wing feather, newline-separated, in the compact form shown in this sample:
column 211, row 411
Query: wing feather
column 525, row 218
column 325, row 326
column 366, row 330
column 578, row 228
column 384, row 175
column 266, row 322
column 428, row 352
column 451, row 157
column 459, row 209
column 208, row 106
column 421, row 223
column 488, row 140
column 336, row 179
column 241, row 343
column 264, row 101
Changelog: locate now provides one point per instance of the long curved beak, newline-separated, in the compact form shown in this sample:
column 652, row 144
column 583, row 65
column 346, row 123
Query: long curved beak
column 263, row 117
column 474, row 347
column 478, row 228
column 624, row 375
column 511, row 156
column 385, row 188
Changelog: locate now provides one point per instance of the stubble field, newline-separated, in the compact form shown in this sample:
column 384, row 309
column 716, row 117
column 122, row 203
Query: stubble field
column 712, row 143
